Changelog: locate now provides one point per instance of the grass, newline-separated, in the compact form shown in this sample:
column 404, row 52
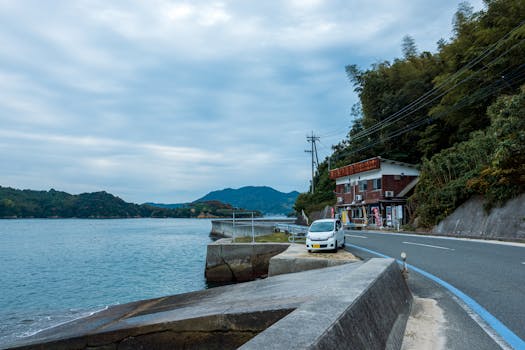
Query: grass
column 277, row 237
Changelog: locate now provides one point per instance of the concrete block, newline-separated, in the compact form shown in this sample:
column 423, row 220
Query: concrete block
column 219, row 273
column 296, row 259
column 239, row 261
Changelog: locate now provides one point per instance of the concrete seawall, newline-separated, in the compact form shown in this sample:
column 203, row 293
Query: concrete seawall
column 367, row 308
column 363, row 305
column 239, row 262
column 243, row 227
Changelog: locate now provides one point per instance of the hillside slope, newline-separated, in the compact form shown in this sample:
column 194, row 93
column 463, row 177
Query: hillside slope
column 261, row 198
column 16, row 203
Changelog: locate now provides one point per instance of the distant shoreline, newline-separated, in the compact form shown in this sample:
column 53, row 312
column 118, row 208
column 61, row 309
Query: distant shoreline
column 106, row 218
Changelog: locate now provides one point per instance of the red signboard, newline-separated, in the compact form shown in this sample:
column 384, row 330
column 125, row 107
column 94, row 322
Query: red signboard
column 366, row 165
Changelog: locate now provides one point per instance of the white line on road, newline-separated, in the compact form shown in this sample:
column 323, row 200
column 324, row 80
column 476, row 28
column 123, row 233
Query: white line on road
column 356, row 236
column 515, row 244
column 428, row 245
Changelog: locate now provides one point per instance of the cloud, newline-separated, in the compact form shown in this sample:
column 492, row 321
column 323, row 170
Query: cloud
column 166, row 100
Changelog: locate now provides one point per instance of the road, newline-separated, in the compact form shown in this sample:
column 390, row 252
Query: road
column 493, row 275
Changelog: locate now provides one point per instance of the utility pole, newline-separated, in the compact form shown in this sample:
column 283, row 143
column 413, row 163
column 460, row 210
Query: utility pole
column 313, row 151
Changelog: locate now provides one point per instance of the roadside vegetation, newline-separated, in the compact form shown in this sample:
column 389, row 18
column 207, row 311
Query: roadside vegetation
column 459, row 113
column 278, row 237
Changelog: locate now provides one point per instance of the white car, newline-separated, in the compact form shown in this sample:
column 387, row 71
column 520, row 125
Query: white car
column 325, row 234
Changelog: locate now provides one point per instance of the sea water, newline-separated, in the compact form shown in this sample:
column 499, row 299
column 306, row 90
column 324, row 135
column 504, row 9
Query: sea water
column 56, row 270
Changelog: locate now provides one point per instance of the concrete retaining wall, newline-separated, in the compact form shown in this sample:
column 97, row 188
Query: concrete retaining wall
column 238, row 262
column 471, row 220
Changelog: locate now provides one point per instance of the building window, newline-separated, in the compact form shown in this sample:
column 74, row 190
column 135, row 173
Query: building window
column 357, row 213
column 363, row 185
column 347, row 188
column 376, row 184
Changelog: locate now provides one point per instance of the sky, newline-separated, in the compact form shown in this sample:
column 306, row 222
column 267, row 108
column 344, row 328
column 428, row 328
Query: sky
column 165, row 101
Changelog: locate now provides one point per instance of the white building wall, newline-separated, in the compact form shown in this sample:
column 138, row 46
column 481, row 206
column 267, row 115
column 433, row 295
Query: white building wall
column 397, row 169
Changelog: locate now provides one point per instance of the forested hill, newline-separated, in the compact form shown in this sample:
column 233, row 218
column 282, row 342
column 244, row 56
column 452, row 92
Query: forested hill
column 55, row 204
column 458, row 112
column 262, row 198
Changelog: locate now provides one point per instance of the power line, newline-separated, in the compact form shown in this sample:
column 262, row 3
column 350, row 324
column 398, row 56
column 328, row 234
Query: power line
column 489, row 91
column 375, row 128
column 420, row 102
column 517, row 76
column 470, row 77
column 470, row 64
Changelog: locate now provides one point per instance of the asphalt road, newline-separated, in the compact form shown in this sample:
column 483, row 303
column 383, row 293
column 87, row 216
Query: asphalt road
column 491, row 274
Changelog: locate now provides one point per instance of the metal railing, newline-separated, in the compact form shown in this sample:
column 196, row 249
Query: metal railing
column 252, row 225
column 297, row 232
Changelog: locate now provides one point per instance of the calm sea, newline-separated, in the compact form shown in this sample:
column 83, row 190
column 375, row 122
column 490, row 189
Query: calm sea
column 54, row 271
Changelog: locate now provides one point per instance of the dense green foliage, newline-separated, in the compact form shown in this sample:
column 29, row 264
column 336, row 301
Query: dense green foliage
column 436, row 106
column 261, row 198
column 50, row 204
column 491, row 163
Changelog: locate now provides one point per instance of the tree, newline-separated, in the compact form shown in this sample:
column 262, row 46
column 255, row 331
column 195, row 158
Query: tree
column 408, row 47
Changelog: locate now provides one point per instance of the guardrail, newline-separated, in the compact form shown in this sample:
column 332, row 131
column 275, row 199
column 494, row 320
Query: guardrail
column 297, row 232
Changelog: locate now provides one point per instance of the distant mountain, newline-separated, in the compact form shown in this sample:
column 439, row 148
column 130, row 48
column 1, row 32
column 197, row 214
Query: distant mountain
column 262, row 198
column 55, row 204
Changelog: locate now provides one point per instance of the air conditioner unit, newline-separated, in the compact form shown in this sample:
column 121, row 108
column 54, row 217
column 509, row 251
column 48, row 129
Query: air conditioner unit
column 389, row 194
column 358, row 197
column 339, row 199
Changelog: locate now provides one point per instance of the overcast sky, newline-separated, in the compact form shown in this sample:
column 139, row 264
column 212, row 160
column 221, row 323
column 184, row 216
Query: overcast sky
column 165, row 101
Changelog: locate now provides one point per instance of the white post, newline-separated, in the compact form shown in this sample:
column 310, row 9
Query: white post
column 233, row 228
column 253, row 232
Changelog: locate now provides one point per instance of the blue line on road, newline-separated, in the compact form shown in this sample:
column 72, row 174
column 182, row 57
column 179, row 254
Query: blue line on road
column 510, row 337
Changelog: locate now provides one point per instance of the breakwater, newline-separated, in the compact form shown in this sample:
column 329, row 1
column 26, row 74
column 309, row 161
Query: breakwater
column 362, row 305
column 354, row 304
column 246, row 227
column 239, row 262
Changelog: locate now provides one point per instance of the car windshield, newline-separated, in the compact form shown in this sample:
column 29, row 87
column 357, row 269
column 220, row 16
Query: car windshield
column 322, row 226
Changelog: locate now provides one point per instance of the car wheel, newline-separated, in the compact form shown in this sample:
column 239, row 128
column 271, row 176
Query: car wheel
column 309, row 250
column 335, row 249
column 344, row 242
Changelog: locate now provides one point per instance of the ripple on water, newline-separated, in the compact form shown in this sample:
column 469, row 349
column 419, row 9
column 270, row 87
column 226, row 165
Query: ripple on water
column 56, row 271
